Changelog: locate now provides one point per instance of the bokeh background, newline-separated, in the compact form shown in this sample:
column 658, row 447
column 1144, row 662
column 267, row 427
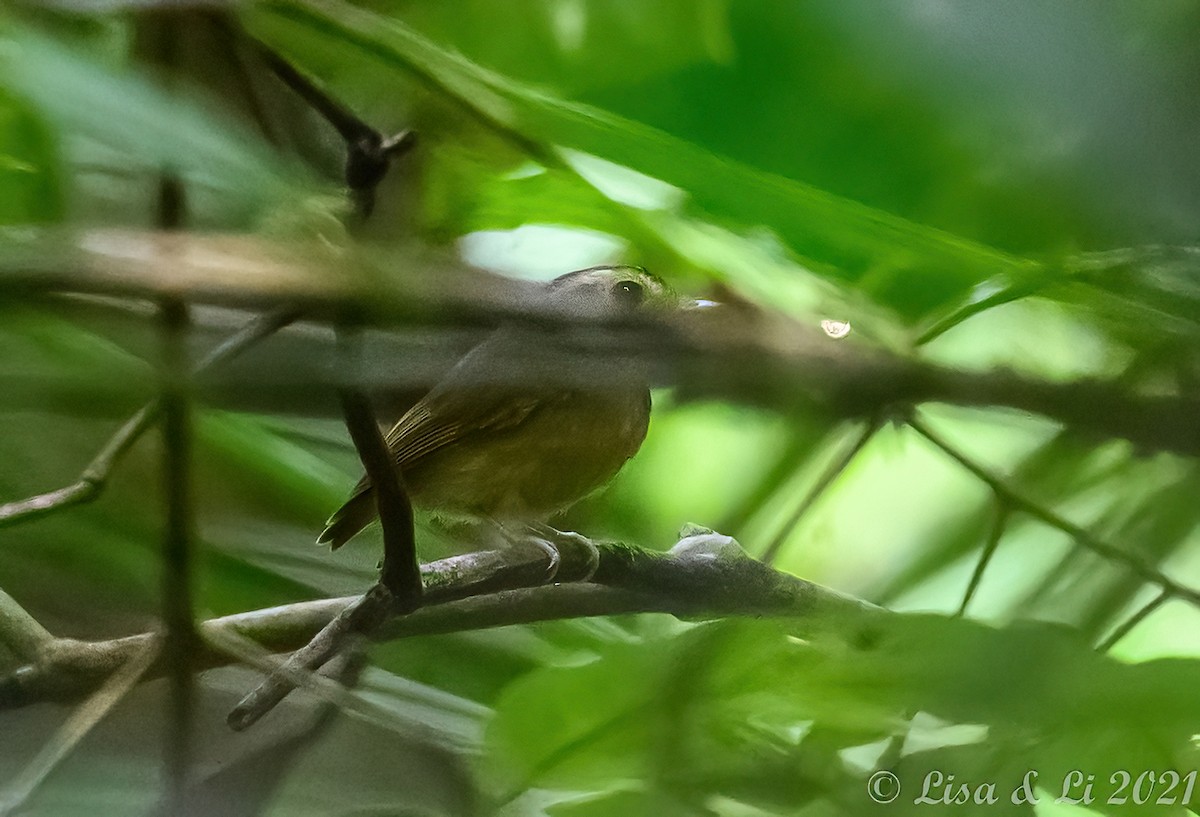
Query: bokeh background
column 976, row 185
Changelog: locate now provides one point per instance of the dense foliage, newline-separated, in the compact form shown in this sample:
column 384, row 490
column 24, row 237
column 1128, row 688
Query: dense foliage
column 987, row 187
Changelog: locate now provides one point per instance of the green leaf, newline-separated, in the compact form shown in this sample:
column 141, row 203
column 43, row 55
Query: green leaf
column 30, row 175
column 885, row 254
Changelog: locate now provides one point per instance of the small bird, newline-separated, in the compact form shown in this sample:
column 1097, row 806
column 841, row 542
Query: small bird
column 483, row 446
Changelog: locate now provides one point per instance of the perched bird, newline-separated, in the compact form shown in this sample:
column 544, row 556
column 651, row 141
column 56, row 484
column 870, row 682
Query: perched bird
column 482, row 445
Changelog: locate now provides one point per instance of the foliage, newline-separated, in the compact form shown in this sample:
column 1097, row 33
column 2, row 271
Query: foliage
column 962, row 183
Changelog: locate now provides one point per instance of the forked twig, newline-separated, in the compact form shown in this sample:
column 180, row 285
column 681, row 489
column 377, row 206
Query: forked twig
column 1018, row 501
column 369, row 153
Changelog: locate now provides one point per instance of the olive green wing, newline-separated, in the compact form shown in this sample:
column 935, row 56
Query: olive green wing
column 438, row 420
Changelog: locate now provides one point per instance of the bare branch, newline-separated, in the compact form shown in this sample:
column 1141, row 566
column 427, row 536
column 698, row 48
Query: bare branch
column 399, row 589
column 704, row 575
column 360, row 616
column 401, row 573
column 76, row 727
column 822, row 484
column 369, row 153
column 1018, row 501
column 20, row 632
column 995, row 534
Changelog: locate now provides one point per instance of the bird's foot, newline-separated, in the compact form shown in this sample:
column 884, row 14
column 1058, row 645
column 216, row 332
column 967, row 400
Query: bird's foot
column 581, row 551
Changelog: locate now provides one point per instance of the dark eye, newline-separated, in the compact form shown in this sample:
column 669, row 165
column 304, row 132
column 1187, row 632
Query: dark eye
column 630, row 292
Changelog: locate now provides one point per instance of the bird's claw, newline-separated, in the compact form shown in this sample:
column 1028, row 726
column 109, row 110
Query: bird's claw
column 552, row 554
column 560, row 539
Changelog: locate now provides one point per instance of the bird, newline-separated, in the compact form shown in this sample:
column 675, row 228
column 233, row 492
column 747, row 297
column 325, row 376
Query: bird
column 513, row 452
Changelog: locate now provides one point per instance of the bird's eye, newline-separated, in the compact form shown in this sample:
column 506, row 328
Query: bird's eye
column 630, row 292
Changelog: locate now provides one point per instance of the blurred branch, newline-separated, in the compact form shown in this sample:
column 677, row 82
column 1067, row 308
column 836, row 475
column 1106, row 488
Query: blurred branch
column 93, row 479
column 179, row 641
column 705, row 575
column 822, row 484
column 1137, row 617
column 729, row 353
column 1011, row 499
column 369, row 153
column 996, row 530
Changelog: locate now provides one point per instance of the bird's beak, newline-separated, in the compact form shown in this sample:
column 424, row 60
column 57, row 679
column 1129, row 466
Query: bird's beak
column 698, row 303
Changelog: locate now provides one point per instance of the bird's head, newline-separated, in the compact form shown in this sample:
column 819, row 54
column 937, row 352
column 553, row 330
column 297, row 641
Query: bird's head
column 608, row 292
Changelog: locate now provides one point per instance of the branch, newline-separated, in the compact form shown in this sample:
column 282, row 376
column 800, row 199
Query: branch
column 818, row 489
column 368, row 152
column 1013, row 499
column 705, row 575
column 399, row 589
column 20, row 632
column 401, row 573
column 94, row 477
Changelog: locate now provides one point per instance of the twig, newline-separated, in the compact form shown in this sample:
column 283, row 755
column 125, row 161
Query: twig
column 1126, row 626
column 20, row 632
column 995, row 533
column 95, row 476
column 461, row 595
column 330, row 689
column 1020, row 502
column 368, row 152
column 362, row 615
column 830, row 474
column 401, row 573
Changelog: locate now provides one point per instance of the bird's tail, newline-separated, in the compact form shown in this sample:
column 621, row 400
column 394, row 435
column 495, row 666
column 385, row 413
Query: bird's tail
column 349, row 519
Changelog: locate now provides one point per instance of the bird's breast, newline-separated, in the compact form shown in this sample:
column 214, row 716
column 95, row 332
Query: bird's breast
column 568, row 447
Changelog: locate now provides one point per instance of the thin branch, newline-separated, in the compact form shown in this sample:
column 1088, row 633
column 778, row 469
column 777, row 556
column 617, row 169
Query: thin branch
column 818, row 489
column 401, row 573
column 332, row 690
column 95, row 476
column 1018, row 501
column 995, row 534
column 704, row 575
column 362, row 615
column 20, row 632
column 369, row 153
column 1126, row 626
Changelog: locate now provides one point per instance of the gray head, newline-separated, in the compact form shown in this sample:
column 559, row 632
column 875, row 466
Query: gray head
column 597, row 293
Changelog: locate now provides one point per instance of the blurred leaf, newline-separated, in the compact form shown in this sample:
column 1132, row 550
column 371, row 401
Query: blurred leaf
column 122, row 120
column 30, row 175
column 885, row 253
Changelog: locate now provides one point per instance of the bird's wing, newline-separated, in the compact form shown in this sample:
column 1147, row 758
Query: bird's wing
column 433, row 423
